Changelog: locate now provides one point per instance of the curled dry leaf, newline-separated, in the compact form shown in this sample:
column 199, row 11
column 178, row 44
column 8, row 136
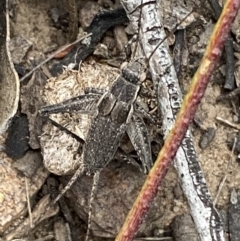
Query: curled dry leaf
column 9, row 82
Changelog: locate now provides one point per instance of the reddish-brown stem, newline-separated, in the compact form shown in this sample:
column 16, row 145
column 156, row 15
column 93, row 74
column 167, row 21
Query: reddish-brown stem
column 185, row 116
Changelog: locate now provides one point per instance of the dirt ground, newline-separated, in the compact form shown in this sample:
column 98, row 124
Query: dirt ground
column 119, row 181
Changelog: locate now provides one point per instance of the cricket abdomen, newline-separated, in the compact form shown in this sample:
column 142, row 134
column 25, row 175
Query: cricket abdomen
column 102, row 142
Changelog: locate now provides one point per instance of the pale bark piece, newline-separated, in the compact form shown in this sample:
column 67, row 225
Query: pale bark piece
column 234, row 216
column 19, row 47
column 29, row 163
column 9, row 82
column 152, row 34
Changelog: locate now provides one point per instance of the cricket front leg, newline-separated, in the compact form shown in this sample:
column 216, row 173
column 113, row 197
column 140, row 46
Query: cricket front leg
column 140, row 109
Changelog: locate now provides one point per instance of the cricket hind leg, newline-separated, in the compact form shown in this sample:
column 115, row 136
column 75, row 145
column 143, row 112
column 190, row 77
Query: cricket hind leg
column 139, row 136
column 79, row 173
column 62, row 128
column 138, row 108
column 122, row 155
column 92, row 198
column 81, row 170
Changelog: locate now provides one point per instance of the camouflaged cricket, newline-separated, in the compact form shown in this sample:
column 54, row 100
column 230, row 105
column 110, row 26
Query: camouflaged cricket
column 113, row 113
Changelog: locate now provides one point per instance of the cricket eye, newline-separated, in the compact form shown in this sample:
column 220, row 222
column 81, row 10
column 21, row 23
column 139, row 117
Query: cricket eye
column 123, row 65
column 143, row 76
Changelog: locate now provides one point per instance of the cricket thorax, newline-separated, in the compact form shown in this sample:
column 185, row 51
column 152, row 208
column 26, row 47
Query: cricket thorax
column 133, row 71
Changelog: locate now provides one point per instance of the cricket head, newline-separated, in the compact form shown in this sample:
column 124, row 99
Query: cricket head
column 134, row 72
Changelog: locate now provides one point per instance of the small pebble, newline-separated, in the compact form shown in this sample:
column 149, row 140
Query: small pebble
column 207, row 137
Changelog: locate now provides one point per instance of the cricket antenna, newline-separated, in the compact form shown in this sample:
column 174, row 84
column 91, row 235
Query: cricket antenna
column 167, row 35
column 173, row 30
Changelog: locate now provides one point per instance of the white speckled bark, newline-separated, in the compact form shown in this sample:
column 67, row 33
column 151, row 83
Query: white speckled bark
column 207, row 221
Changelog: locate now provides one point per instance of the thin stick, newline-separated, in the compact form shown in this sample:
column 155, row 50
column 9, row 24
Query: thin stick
column 229, row 123
column 53, row 55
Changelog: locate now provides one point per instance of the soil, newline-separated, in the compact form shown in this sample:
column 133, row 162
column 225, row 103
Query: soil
column 34, row 22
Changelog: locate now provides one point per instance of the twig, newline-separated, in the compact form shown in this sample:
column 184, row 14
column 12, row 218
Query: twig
column 178, row 51
column 229, row 123
column 53, row 55
column 230, row 65
column 216, row 8
column 48, row 237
